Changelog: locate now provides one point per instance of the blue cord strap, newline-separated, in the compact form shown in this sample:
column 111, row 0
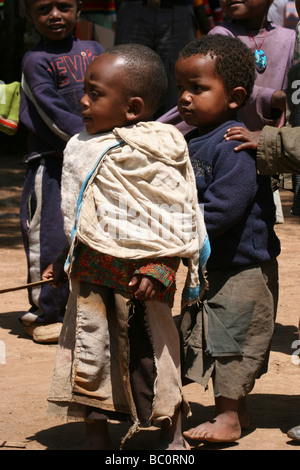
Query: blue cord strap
column 80, row 200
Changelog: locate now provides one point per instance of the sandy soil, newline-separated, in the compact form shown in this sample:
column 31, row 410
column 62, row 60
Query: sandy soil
column 26, row 367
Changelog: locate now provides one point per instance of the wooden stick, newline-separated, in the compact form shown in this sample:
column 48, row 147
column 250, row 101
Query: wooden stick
column 25, row 286
column 20, row 445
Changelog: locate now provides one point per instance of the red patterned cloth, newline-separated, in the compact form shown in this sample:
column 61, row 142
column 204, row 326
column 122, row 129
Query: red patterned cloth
column 98, row 268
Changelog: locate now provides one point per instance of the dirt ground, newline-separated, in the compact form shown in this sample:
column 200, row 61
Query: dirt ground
column 26, row 367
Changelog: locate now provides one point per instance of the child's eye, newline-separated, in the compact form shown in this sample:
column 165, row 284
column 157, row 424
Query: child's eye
column 64, row 8
column 94, row 95
column 43, row 10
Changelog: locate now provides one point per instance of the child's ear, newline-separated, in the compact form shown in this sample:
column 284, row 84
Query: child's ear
column 135, row 109
column 237, row 97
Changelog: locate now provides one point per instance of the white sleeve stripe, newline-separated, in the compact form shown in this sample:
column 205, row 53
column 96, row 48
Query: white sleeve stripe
column 52, row 126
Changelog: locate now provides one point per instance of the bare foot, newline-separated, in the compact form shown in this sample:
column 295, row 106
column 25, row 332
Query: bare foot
column 223, row 428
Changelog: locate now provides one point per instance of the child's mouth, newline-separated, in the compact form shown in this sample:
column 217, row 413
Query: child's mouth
column 234, row 3
column 56, row 28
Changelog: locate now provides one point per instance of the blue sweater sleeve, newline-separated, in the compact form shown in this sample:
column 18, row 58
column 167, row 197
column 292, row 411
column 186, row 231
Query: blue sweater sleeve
column 38, row 85
column 52, row 88
column 231, row 191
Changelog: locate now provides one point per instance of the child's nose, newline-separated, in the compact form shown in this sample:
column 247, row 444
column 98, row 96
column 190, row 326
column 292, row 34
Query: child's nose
column 55, row 13
column 185, row 97
column 84, row 101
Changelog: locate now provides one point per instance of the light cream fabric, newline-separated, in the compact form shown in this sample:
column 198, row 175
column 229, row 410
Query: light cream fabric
column 140, row 201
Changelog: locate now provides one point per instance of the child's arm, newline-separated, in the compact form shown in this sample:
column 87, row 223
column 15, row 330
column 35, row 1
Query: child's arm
column 55, row 271
column 278, row 100
column 45, row 111
column 145, row 287
column 266, row 106
column 278, row 149
column 153, row 277
column 250, row 138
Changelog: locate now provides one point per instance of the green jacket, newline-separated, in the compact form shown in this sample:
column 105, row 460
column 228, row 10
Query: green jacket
column 278, row 149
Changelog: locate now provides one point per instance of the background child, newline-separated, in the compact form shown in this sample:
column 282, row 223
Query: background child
column 248, row 22
column 52, row 87
column 125, row 248
column 215, row 76
column 273, row 46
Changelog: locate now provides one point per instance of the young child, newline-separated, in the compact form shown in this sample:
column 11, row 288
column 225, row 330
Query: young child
column 273, row 46
column 52, row 87
column 130, row 213
column 227, row 337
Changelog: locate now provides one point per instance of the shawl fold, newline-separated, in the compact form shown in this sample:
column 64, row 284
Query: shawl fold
column 135, row 197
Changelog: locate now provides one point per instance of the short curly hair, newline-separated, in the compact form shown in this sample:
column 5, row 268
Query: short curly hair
column 234, row 61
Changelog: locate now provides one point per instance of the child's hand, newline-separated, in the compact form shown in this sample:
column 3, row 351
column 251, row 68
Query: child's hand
column 145, row 287
column 278, row 100
column 250, row 138
column 55, row 271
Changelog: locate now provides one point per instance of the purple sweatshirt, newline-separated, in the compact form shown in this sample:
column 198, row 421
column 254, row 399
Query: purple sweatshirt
column 52, row 87
column 278, row 43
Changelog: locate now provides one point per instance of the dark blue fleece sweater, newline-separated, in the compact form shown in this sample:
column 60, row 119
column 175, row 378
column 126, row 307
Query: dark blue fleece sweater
column 52, row 88
column 239, row 210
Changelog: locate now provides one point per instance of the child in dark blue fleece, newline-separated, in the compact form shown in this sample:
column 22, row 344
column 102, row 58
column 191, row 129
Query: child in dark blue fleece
column 50, row 109
column 215, row 76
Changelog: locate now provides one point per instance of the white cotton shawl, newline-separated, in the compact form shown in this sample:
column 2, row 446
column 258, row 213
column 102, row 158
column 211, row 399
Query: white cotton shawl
column 135, row 194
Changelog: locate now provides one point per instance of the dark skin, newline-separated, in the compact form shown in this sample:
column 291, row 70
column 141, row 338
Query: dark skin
column 249, row 138
column 142, row 287
column 54, row 19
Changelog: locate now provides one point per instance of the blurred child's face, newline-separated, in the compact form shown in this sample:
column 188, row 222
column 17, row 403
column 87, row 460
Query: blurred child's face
column 54, row 19
column 104, row 105
column 245, row 9
column 203, row 100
